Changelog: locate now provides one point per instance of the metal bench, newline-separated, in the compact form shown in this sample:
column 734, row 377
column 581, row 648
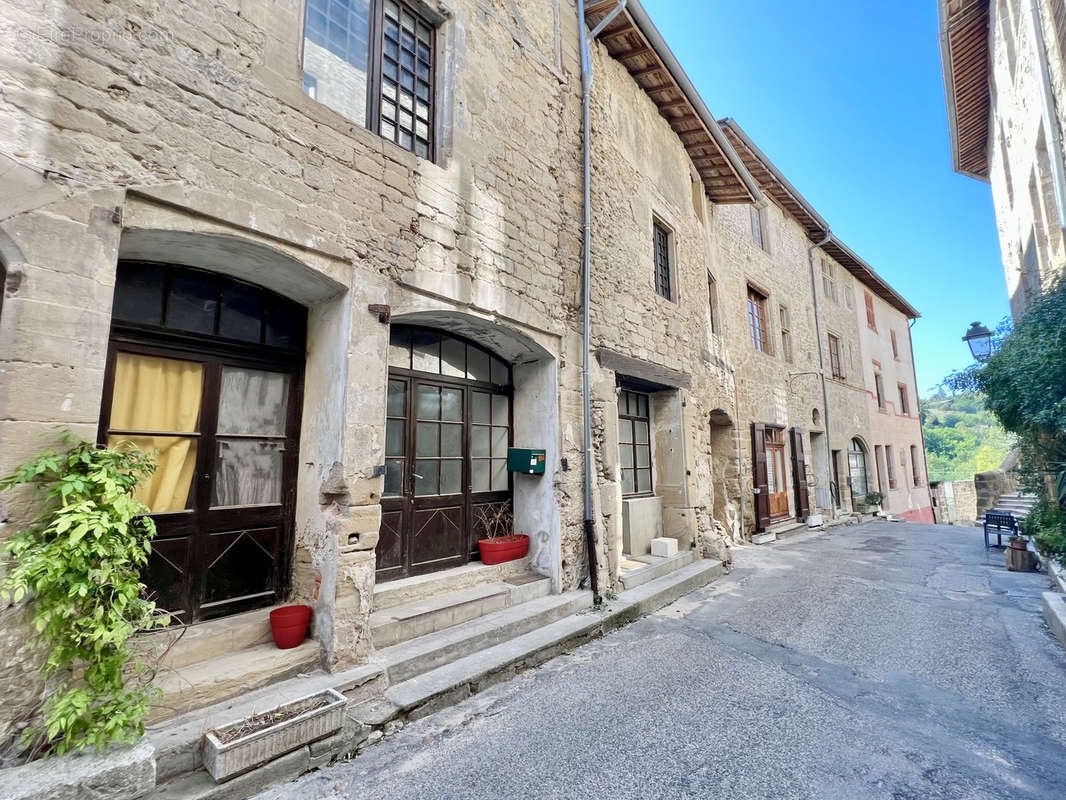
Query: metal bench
column 999, row 522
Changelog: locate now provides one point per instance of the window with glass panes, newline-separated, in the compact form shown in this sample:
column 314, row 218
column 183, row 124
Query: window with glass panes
column 757, row 320
column 374, row 62
column 634, row 442
column 835, row 364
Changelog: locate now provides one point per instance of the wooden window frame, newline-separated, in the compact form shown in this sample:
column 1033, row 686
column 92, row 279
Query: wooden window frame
column 712, row 303
column 662, row 258
column 879, row 391
column 871, row 317
column 634, row 418
column 904, row 399
column 758, row 232
column 916, row 472
column 758, row 324
column 891, row 467
column 836, row 365
column 375, row 77
column 895, row 343
column 829, row 282
column 786, row 332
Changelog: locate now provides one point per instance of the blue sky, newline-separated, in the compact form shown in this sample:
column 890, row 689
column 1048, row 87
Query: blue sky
column 847, row 99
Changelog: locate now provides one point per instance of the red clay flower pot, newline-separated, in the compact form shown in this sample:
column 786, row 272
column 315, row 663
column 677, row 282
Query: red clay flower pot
column 289, row 625
column 503, row 548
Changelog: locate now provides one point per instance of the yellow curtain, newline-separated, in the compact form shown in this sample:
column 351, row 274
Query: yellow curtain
column 155, row 395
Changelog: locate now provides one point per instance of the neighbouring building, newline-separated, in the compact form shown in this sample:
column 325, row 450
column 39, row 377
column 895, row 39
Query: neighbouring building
column 1005, row 77
column 326, row 259
column 779, row 268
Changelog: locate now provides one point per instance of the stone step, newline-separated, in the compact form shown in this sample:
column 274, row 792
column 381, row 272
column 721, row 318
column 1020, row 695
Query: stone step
column 180, row 646
column 407, row 590
column 655, row 567
column 403, row 622
column 413, row 657
column 453, row 682
column 177, row 742
column 206, row 682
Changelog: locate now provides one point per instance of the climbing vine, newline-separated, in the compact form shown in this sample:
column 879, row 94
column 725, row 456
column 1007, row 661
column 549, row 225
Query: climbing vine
column 77, row 565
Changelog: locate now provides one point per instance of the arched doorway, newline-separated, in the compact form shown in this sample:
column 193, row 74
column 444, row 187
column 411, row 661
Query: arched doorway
column 448, row 427
column 207, row 371
column 857, row 469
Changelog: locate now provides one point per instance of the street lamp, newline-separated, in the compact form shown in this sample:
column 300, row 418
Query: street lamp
column 979, row 338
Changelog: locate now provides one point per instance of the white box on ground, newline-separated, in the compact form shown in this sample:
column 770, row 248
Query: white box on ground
column 814, row 520
column 664, row 546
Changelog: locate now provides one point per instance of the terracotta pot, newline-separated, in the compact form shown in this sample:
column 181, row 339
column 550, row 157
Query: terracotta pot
column 1019, row 543
column 289, row 625
column 503, row 548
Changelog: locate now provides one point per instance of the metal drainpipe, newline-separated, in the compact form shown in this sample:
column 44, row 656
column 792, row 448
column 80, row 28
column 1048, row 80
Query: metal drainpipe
column 1051, row 119
column 586, row 282
column 821, row 373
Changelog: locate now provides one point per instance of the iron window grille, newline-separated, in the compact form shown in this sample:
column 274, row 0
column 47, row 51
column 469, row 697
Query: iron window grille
column 663, row 283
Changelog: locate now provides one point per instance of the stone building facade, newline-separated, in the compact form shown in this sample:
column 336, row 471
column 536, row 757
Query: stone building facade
column 334, row 317
column 1005, row 75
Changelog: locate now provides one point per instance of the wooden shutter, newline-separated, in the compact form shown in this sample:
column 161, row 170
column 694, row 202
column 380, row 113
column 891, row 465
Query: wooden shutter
column 799, row 475
column 758, row 476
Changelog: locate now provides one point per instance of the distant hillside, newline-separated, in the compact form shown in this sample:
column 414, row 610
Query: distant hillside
column 961, row 437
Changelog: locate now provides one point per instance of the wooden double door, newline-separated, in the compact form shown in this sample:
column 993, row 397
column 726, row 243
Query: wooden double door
column 205, row 373
column 770, row 478
column 446, row 479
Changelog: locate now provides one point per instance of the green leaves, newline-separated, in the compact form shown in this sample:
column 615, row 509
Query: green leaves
column 78, row 563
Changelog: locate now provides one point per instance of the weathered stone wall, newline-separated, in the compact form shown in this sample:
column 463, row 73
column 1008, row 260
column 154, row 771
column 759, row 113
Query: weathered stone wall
column 1021, row 146
column 771, row 389
column 642, row 173
column 180, row 133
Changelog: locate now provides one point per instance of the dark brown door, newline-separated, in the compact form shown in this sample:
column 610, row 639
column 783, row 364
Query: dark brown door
column 799, row 475
column 225, row 433
column 206, row 373
column 446, row 440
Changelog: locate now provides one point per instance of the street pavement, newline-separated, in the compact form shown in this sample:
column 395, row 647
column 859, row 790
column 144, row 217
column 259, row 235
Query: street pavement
column 889, row 660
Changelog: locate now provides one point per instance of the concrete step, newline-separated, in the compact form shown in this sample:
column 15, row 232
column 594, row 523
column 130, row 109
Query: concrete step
column 179, row 646
column 403, row 622
column 177, row 740
column 453, row 682
column 377, row 712
column 424, row 653
column 408, row 590
column 206, row 682
column 655, row 567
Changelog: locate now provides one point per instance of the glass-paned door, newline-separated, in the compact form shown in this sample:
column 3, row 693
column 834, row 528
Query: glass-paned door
column 775, row 472
column 857, row 470
column 447, row 431
column 224, row 438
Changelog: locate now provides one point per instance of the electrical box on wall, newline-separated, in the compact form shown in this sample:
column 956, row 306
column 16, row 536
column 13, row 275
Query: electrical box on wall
column 525, row 460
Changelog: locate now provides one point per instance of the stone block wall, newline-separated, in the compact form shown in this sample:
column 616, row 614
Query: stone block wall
column 1022, row 141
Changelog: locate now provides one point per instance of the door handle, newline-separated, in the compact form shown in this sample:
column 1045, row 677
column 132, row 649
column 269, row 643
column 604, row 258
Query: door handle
column 415, row 474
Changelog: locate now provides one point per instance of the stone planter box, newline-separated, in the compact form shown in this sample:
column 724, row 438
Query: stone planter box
column 225, row 760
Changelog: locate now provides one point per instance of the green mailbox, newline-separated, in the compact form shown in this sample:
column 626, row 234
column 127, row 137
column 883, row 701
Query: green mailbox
column 525, row 460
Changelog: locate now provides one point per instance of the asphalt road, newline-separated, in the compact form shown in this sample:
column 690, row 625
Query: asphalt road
column 890, row 661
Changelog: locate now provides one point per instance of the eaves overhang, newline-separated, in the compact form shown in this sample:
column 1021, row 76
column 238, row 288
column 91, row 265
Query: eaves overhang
column 634, row 41
column 965, row 53
column 778, row 188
